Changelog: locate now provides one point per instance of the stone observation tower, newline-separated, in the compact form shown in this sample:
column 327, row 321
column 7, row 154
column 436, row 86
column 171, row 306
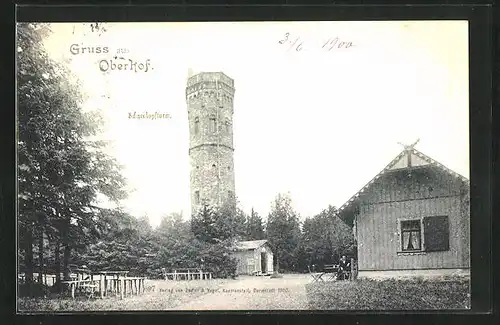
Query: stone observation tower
column 209, row 97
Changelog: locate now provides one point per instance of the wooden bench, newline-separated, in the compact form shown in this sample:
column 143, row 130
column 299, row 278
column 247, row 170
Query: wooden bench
column 331, row 270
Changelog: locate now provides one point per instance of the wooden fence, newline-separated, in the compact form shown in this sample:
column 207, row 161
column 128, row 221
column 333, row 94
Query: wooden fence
column 187, row 274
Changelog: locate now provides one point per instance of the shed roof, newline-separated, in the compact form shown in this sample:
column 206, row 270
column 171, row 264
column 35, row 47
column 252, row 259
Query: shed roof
column 250, row 244
column 407, row 159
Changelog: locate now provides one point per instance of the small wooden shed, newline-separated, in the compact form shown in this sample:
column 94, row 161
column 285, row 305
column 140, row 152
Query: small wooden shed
column 254, row 257
column 413, row 218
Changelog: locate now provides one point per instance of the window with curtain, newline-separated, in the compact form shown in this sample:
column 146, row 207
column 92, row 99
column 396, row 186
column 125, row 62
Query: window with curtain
column 411, row 235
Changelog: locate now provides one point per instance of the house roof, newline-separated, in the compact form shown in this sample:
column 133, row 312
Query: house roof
column 248, row 245
column 407, row 159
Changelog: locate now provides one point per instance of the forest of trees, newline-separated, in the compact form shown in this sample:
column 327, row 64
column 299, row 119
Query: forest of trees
column 62, row 172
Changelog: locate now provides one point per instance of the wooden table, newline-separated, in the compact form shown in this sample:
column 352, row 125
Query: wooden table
column 118, row 283
column 109, row 281
column 329, row 273
column 135, row 285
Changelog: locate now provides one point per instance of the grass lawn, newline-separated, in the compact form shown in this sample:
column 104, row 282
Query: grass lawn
column 160, row 295
column 390, row 294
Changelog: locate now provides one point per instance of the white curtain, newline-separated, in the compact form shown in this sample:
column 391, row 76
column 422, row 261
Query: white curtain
column 415, row 237
column 406, row 240
column 412, row 238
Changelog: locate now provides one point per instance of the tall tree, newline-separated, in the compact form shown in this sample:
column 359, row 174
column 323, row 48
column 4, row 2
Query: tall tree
column 203, row 224
column 230, row 222
column 254, row 226
column 214, row 224
column 127, row 244
column 283, row 232
column 207, row 246
column 325, row 237
column 175, row 242
column 61, row 170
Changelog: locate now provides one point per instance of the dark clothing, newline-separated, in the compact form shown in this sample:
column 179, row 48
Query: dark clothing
column 344, row 268
column 344, row 265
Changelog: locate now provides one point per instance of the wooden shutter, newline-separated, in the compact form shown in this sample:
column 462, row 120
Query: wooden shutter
column 436, row 234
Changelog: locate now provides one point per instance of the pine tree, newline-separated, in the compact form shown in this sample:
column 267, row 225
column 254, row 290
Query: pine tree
column 255, row 227
column 61, row 171
column 283, row 232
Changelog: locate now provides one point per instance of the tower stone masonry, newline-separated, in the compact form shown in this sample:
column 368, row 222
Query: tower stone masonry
column 209, row 98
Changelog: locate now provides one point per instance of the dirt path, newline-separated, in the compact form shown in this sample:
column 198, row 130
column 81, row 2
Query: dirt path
column 254, row 293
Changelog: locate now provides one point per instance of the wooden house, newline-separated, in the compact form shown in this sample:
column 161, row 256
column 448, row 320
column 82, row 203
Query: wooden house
column 413, row 218
column 254, row 257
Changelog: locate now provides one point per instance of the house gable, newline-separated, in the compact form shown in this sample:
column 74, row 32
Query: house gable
column 421, row 182
column 249, row 244
column 408, row 159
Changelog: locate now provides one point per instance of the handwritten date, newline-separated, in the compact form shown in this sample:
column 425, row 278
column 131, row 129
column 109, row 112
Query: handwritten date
column 298, row 47
column 331, row 44
column 336, row 43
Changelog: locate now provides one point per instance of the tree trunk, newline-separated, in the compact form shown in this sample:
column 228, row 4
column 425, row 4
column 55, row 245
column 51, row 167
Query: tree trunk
column 28, row 259
column 57, row 262
column 28, row 253
column 41, row 270
column 67, row 252
column 277, row 263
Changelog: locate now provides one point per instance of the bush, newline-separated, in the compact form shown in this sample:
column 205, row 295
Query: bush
column 390, row 294
column 33, row 289
column 217, row 258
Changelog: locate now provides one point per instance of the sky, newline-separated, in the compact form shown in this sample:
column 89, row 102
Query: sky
column 313, row 123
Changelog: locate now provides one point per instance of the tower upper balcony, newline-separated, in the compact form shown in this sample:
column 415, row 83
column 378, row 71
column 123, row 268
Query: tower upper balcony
column 206, row 81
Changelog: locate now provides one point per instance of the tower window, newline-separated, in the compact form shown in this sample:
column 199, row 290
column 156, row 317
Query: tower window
column 197, row 197
column 228, row 167
column 228, row 126
column 213, row 166
column 196, row 126
column 213, row 124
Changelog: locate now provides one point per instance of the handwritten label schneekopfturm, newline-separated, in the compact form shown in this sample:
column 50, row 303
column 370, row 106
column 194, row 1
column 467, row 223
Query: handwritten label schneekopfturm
column 330, row 44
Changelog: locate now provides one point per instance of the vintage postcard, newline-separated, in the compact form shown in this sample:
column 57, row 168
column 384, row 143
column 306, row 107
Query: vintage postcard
column 243, row 166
